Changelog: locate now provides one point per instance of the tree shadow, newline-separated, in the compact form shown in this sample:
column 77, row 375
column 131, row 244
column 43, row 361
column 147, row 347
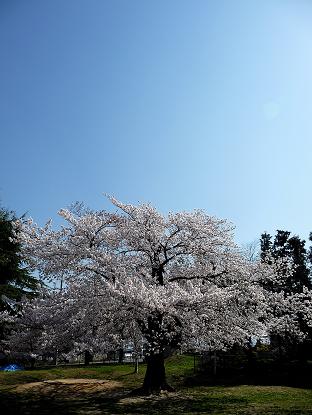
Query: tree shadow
column 61, row 400
column 54, row 399
column 292, row 374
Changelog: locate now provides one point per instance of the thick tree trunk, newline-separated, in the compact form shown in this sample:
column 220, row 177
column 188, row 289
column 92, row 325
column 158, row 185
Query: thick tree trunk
column 87, row 357
column 120, row 355
column 155, row 376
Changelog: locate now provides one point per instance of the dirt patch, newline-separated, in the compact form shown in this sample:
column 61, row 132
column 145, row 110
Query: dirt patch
column 163, row 396
column 74, row 385
column 80, row 381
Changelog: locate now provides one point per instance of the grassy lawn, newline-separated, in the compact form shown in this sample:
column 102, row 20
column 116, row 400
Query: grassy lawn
column 25, row 393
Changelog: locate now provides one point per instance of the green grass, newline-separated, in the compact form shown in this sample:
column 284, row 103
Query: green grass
column 217, row 400
column 91, row 372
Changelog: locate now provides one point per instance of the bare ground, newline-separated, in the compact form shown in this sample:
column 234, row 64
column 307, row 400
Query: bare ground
column 70, row 385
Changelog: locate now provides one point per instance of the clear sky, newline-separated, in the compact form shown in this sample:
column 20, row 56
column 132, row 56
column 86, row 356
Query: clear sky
column 184, row 104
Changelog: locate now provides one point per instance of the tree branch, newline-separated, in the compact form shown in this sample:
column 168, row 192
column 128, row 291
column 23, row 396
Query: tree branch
column 198, row 277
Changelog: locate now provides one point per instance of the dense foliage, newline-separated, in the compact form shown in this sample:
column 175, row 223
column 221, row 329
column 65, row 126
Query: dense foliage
column 15, row 280
column 295, row 288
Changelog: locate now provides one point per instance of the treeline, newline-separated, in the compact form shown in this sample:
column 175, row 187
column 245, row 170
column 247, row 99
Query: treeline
column 292, row 252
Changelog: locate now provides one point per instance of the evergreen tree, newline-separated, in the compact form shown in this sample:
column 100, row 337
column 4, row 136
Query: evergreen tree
column 265, row 245
column 301, row 277
column 292, row 249
column 310, row 252
column 15, row 280
column 285, row 247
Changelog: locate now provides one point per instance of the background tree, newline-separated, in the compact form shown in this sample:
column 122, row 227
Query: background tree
column 251, row 250
column 310, row 253
column 288, row 248
column 15, row 280
column 294, row 278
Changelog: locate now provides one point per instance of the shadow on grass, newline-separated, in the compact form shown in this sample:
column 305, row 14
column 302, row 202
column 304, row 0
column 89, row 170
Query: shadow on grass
column 61, row 402
column 286, row 374
column 59, row 399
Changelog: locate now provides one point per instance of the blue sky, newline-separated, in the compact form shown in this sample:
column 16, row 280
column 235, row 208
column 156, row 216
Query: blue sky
column 184, row 104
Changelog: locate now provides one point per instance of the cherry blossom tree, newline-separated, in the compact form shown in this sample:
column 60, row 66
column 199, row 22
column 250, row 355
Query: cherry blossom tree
column 177, row 280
